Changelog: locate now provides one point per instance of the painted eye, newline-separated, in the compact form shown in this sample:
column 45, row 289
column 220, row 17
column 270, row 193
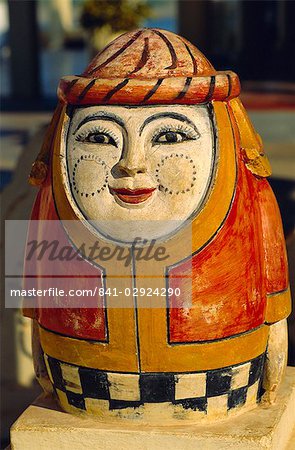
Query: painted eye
column 101, row 138
column 169, row 137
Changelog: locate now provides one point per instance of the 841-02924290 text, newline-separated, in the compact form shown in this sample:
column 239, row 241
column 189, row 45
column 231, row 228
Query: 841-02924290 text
column 140, row 292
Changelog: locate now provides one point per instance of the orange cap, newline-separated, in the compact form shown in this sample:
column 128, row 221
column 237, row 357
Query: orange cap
column 149, row 66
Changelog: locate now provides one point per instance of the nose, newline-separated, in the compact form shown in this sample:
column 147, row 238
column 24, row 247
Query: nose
column 131, row 169
column 133, row 161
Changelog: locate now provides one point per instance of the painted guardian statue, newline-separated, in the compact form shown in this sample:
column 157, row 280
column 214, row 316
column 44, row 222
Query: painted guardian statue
column 152, row 141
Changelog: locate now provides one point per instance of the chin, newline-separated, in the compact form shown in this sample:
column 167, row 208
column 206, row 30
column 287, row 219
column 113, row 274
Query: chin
column 142, row 205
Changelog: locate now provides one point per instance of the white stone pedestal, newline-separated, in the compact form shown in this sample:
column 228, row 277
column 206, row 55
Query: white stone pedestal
column 43, row 426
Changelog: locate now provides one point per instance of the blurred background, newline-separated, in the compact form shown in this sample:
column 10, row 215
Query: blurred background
column 42, row 40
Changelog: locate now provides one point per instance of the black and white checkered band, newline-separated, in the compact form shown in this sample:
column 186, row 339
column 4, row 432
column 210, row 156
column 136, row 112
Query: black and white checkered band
column 230, row 386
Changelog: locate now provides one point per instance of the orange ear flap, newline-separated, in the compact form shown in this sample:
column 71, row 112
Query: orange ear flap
column 250, row 141
column 39, row 168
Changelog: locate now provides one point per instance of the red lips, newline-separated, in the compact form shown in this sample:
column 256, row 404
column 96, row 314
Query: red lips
column 133, row 196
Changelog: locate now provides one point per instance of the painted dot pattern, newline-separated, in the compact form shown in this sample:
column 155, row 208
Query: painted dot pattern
column 93, row 158
column 166, row 189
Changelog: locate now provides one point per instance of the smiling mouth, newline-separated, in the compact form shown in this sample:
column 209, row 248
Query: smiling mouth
column 133, row 196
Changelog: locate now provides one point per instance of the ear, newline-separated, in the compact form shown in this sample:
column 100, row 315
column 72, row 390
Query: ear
column 250, row 141
column 39, row 168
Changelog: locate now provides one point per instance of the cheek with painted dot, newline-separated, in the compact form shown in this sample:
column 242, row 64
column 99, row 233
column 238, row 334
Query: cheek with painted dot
column 90, row 176
column 176, row 174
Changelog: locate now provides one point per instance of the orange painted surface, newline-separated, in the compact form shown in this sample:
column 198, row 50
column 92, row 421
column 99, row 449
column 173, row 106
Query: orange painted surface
column 232, row 275
column 276, row 267
column 279, row 306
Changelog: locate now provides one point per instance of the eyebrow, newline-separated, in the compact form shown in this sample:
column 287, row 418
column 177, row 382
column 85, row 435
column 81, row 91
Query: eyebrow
column 101, row 116
column 172, row 115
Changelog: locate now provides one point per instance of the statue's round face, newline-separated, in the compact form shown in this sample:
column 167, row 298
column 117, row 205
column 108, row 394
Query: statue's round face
column 148, row 167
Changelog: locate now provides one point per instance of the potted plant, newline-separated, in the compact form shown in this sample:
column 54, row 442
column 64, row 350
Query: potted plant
column 104, row 20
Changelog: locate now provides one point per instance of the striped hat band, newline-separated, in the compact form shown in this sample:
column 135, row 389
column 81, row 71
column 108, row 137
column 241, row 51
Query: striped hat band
column 130, row 91
column 149, row 66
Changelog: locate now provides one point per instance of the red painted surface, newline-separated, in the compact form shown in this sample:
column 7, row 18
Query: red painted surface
column 268, row 101
column 84, row 322
column 231, row 275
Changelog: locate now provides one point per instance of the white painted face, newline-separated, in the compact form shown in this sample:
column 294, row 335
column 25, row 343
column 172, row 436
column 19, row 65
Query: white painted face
column 147, row 166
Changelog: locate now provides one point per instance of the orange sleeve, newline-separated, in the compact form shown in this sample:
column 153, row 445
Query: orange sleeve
column 278, row 304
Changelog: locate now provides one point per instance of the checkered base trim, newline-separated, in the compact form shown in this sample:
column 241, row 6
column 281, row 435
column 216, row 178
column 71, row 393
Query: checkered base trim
column 214, row 393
